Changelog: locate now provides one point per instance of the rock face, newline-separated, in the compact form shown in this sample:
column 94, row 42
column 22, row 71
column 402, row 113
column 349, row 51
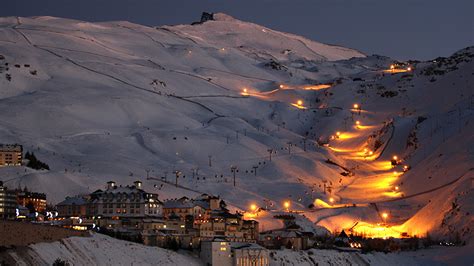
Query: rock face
column 206, row 16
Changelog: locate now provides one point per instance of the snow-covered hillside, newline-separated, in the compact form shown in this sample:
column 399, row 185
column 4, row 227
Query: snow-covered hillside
column 115, row 100
column 95, row 250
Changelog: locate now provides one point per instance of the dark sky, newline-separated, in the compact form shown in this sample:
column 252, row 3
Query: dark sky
column 402, row 29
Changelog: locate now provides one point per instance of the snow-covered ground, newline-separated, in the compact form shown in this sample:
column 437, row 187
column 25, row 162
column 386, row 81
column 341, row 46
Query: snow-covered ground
column 104, row 250
column 98, row 250
column 113, row 100
column 432, row 256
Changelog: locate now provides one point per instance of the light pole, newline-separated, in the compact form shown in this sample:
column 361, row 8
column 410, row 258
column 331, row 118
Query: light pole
column 255, row 169
column 234, row 169
column 177, row 173
column 147, row 173
column 270, row 151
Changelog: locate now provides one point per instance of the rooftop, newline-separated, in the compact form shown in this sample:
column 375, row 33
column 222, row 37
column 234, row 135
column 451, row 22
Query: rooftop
column 11, row 147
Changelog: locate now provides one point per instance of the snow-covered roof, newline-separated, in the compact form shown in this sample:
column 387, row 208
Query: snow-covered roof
column 245, row 245
column 77, row 200
column 175, row 204
column 10, row 148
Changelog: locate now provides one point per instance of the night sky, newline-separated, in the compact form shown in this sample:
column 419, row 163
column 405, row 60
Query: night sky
column 402, row 29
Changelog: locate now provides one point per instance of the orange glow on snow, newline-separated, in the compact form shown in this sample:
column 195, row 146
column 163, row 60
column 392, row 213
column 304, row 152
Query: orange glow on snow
column 317, row 87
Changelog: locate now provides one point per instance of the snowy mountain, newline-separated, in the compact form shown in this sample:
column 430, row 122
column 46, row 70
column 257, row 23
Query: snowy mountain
column 96, row 250
column 120, row 101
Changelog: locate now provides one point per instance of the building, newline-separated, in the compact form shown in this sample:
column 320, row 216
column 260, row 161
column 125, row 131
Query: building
column 73, row 207
column 11, row 154
column 8, row 203
column 129, row 203
column 250, row 229
column 31, row 200
column 250, row 254
column 216, row 252
column 223, row 224
column 181, row 207
column 224, row 253
column 291, row 237
column 124, row 202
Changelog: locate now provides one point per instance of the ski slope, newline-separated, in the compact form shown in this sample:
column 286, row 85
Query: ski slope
column 117, row 100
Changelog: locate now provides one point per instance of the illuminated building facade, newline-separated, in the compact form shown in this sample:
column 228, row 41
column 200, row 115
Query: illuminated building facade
column 125, row 201
column 7, row 203
column 29, row 199
column 11, row 155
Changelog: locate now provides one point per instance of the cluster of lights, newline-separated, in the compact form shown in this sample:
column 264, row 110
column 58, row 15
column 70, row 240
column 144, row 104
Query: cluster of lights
column 368, row 152
column 395, row 160
column 393, row 68
column 356, row 245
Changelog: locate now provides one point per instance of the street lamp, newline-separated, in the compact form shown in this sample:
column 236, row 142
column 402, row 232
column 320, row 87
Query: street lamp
column 384, row 216
column 331, row 199
column 299, row 102
column 253, row 207
column 286, row 204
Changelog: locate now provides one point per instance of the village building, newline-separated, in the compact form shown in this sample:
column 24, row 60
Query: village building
column 72, row 207
column 34, row 201
column 116, row 207
column 11, row 155
column 221, row 252
column 249, row 254
column 250, row 229
column 124, row 202
column 291, row 237
column 216, row 252
column 8, row 203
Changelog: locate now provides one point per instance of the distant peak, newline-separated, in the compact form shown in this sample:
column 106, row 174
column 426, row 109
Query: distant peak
column 206, row 16
column 223, row 17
